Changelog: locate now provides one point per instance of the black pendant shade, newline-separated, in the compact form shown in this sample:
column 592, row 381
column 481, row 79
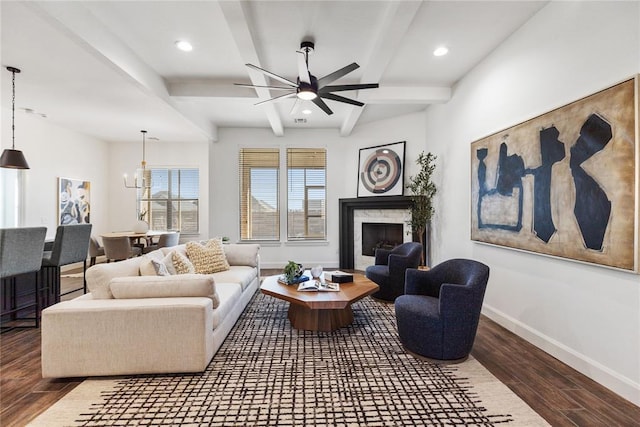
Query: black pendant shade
column 12, row 158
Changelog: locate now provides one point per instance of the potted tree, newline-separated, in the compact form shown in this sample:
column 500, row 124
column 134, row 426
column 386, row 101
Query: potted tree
column 422, row 192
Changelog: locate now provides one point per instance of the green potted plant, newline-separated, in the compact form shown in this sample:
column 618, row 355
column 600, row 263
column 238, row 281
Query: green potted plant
column 422, row 192
column 292, row 271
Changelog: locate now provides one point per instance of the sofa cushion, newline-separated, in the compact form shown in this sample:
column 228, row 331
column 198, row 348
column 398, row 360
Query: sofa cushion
column 98, row 276
column 229, row 294
column 186, row 285
column 242, row 254
column 240, row 274
column 181, row 263
column 208, row 258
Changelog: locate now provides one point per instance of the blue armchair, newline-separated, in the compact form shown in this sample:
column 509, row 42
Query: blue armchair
column 438, row 315
column 389, row 268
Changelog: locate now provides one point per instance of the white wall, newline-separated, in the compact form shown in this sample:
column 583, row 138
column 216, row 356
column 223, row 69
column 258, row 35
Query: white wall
column 587, row 316
column 52, row 152
column 342, row 168
column 126, row 158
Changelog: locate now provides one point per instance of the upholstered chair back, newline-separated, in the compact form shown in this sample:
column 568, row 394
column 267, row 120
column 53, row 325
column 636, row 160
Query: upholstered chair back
column 118, row 248
column 21, row 250
column 70, row 245
column 168, row 239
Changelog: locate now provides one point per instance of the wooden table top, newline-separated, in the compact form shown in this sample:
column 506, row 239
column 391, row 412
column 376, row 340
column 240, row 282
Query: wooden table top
column 133, row 234
column 349, row 293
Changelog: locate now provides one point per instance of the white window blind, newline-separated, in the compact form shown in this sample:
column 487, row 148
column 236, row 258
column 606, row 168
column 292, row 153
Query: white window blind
column 259, row 194
column 172, row 200
column 306, row 194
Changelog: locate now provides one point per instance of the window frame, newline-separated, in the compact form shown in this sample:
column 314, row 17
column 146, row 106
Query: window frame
column 249, row 159
column 145, row 203
column 306, row 165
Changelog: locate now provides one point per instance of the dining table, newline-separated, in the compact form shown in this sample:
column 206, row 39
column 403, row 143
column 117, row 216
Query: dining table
column 135, row 237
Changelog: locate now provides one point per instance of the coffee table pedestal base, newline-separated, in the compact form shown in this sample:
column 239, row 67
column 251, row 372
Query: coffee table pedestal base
column 319, row 320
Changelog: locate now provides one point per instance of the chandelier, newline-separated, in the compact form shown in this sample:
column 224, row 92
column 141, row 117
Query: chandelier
column 145, row 175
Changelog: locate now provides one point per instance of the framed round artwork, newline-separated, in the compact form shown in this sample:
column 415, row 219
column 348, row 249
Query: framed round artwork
column 381, row 170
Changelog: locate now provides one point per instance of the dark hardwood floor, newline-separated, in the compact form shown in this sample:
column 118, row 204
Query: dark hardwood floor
column 557, row 392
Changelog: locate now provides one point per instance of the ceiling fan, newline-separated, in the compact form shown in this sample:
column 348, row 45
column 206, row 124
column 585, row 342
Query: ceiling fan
column 309, row 88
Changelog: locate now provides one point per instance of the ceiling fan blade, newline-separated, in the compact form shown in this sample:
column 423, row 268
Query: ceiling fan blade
column 337, row 74
column 264, row 87
column 273, row 76
column 339, row 88
column 296, row 107
column 277, row 98
column 303, row 71
column 320, row 103
column 341, row 99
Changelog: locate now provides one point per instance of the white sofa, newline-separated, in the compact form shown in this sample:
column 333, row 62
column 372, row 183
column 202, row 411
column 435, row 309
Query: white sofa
column 169, row 332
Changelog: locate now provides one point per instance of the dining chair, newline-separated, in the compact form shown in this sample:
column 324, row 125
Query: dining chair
column 95, row 250
column 20, row 253
column 71, row 245
column 165, row 240
column 119, row 248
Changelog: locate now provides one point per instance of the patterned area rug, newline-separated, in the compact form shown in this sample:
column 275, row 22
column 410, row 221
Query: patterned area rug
column 268, row 374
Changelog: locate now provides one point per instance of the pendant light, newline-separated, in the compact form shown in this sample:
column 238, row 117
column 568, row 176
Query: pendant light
column 146, row 177
column 12, row 158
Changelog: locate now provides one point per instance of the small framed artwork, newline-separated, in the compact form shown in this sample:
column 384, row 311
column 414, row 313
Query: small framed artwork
column 74, row 201
column 381, row 170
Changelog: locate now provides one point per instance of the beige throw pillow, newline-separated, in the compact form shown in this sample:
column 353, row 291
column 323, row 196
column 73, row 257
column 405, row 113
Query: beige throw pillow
column 147, row 268
column 209, row 258
column 181, row 263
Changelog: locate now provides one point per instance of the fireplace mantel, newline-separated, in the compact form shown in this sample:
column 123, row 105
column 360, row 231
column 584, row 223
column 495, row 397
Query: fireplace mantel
column 347, row 208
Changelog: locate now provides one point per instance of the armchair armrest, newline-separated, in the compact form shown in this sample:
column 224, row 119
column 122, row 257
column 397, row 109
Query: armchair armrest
column 421, row 282
column 382, row 256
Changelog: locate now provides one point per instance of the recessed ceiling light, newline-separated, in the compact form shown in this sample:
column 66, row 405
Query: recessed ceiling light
column 441, row 51
column 184, row 46
column 306, row 111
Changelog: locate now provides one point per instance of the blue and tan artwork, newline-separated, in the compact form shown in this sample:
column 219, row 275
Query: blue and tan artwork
column 563, row 183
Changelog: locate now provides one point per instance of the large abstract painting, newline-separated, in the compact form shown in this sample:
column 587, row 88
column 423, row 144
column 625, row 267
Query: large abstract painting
column 563, row 183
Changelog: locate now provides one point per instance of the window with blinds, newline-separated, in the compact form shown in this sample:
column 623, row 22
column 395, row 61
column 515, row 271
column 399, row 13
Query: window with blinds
column 171, row 202
column 259, row 194
column 306, row 194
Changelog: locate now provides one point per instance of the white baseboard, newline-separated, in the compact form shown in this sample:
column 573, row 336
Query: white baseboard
column 615, row 382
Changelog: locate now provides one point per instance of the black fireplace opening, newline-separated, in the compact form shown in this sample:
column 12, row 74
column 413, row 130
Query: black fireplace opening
column 380, row 235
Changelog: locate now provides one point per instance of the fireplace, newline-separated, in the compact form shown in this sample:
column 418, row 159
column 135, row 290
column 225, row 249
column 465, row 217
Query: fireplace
column 350, row 228
column 380, row 235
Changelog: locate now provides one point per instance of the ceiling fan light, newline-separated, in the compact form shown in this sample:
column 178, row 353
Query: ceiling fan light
column 307, row 95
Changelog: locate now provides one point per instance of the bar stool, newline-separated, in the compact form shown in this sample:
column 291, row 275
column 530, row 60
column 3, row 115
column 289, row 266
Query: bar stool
column 20, row 253
column 71, row 245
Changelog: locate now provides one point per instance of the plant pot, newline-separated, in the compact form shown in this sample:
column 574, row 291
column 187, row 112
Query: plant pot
column 140, row 226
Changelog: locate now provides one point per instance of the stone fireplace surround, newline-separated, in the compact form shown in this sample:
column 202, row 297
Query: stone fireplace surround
column 347, row 210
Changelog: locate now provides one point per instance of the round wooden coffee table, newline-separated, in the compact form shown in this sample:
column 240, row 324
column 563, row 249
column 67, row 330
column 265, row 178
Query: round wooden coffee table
column 320, row 311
